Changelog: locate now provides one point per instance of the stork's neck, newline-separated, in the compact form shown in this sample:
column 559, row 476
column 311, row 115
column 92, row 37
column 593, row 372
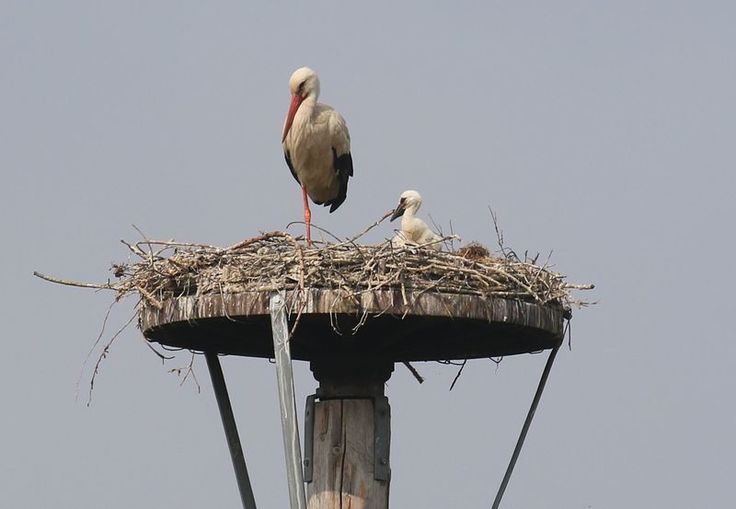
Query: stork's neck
column 306, row 108
column 304, row 115
column 407, row 219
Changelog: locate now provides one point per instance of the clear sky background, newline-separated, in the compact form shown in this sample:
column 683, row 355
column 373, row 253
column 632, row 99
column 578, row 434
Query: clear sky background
column 603, row 131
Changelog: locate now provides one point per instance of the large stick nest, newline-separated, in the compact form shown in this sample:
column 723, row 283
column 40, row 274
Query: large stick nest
column 277, row 261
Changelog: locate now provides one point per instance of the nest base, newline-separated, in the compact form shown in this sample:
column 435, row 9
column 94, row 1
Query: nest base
column 383, row 325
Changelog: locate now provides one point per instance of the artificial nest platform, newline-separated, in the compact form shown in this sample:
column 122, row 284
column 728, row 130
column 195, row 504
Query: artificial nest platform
column 345, row 299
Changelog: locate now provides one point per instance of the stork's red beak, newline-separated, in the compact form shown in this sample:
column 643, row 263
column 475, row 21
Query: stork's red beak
column 295, row 102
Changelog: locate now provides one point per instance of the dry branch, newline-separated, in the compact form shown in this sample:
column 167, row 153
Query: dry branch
column 69, row 282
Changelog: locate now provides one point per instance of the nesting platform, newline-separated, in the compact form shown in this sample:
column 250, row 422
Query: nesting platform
column 354, row 310
column 385, row 324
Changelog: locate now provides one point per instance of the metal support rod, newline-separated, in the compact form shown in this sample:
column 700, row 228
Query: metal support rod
column 525, row 427
column 287, row 400
column 231, row 430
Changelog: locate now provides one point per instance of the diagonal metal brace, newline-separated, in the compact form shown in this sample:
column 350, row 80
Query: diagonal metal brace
column 231, row 430
column 525, row 427
column 287, row 400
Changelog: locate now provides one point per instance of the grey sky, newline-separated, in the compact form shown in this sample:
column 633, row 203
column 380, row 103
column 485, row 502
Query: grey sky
column 603, row 131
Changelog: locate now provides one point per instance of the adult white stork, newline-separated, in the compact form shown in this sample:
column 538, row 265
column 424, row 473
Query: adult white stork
column 413, row 231
column 316, row 145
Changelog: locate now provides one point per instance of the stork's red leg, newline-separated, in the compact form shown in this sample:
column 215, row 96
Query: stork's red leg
column 307, row 216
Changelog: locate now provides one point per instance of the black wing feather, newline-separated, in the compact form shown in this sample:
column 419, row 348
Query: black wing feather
column 291, row 168
column 344, row 169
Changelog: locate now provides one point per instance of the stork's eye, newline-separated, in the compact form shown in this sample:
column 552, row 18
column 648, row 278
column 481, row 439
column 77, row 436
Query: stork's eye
column 300, row 88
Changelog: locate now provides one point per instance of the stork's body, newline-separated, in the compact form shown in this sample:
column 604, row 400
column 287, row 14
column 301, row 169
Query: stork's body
column 316, row 145
column 413, row 231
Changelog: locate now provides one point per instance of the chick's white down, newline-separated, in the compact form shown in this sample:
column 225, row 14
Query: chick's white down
column 413, row 231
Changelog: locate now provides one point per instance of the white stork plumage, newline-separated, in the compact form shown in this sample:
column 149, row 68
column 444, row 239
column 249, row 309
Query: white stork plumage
column 413, row 231
column 316, row 145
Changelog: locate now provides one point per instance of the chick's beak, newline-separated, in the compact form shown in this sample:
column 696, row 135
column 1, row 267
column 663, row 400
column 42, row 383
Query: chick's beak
column 399, row 211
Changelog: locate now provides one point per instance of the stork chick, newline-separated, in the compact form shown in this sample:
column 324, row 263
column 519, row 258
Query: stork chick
column 413, row 231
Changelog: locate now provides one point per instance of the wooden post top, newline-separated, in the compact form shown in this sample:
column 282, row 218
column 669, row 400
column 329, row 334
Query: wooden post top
column 384, row 325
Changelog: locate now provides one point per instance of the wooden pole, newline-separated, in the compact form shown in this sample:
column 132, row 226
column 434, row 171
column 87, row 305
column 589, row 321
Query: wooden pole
column 350, row 437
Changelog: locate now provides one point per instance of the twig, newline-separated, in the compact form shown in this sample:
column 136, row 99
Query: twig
column 248, row 242
column 578, row 286
column 135, row 249
column 376, row 223
column 414, row 372
column 496, row 361
column 92, row 349
column 103, row 355
column 459, row 371
column 149, row 298
column 69, row 282
column 189, row 371
column 161, row 356
column 145, row 241
column 499, row 232
column 318, row 228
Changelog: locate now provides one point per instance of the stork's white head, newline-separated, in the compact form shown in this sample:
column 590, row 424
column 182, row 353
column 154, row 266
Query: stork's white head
column 409, row 200
column 303, row 84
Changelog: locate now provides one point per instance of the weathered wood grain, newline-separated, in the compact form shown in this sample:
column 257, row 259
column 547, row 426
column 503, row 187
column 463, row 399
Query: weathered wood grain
column 343, row 457
column 389, row 324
